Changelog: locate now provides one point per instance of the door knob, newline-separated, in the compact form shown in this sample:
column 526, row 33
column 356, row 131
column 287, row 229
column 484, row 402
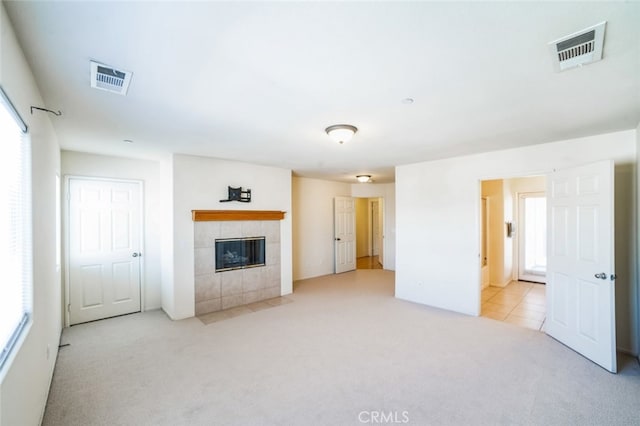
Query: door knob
column 136, row 254
column 337, row 239
column 601, row 275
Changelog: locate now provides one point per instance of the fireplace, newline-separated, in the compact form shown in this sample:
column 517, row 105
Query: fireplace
column 239, row 282
column 239, row 253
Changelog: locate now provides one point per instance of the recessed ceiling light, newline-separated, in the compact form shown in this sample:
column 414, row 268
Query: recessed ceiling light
column 127, row 141
column 407, row 101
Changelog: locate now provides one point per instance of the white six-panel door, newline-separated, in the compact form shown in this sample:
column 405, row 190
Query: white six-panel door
column 345, row 234
column 580, row 273
column 104, row 248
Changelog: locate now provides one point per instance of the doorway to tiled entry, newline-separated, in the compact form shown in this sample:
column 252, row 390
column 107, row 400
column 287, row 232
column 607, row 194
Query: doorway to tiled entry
column 368, row 262
column 521, row 303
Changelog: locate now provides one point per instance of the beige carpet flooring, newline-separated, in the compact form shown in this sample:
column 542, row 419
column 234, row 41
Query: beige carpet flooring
column 344, row 347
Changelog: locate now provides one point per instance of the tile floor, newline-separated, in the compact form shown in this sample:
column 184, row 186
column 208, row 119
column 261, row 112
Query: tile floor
column 243, row 310
column 519, row 303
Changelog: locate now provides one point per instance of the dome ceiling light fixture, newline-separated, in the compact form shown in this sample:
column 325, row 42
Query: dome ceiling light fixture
column 364, row 178
column 341, row 133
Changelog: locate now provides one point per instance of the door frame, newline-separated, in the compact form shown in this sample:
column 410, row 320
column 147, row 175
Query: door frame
column 381, row 226
column 484, row 241
column 478, row 222
column 66, row 237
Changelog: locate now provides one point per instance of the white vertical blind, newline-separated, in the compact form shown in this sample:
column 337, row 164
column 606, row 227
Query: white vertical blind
column 15, row 228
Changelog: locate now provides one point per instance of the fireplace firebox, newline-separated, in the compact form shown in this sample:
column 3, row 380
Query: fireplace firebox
column 239, row 253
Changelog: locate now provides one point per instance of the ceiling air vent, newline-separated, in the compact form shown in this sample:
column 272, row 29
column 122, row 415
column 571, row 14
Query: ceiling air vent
column 579, row 48
column 105, row 77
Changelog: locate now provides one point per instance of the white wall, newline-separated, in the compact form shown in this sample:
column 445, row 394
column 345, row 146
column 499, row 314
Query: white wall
column 90, row 165
column 313, row 223
column 198, row 184
column 507, row 202
column 167, row 244
column 637, row 212
column 438, row 239
column 528, row 184
column 24, row 382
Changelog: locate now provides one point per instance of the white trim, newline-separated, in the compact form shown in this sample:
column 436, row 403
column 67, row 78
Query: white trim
column 4, row 99
column 17, row 345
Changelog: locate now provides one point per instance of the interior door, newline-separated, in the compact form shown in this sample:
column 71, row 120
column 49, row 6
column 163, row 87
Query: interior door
column 104, row 248
column 344, row 209
column 580, row 275
column 532, row 241
column 381, row 231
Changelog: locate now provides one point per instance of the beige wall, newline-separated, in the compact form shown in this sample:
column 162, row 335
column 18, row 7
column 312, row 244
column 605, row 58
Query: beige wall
column 24, row 380
column 312, row 206
column 362, row 227
column 498, row 259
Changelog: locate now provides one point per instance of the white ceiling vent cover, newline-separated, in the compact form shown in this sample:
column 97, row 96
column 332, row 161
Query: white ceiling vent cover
column 579, row 48
column 106, row 77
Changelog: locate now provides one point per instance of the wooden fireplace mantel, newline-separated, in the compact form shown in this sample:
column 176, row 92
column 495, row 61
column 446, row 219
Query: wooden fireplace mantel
column 212, row 215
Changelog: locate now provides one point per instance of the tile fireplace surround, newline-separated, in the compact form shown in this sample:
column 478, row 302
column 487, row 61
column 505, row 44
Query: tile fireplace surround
column 215, row 291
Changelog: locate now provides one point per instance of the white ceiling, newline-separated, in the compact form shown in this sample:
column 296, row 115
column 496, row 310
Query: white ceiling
column 259, row 82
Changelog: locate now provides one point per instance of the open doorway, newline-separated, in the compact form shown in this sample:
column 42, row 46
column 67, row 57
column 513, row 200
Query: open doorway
column 369, row 234
column 513, row 241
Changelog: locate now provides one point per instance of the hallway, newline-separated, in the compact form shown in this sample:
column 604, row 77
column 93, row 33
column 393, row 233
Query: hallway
column 368, row 262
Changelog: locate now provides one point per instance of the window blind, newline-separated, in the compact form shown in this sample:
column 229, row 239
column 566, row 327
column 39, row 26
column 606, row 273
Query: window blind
column 15, row 228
